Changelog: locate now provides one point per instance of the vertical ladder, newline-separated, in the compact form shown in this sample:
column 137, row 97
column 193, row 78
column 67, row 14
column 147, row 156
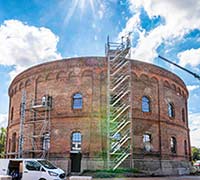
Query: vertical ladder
column 119, row 105
column 22, row 119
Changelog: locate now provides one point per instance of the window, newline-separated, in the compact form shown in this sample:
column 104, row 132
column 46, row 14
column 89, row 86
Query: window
column 115, row 144
column 185, row 147
column 183, row 115
column 173, row 144
column 77, row 101
column 171, row 111
column 147, row 142
column 76, row 141
column 145, row 104
column 32, row 166
column 47, row 164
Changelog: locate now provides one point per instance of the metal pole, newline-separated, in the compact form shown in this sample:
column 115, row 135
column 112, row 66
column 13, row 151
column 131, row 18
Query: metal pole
column 108, row 105
column 190, row 72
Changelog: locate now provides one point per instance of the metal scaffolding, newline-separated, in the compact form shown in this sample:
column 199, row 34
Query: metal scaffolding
column 119, row 102
column 36, row 129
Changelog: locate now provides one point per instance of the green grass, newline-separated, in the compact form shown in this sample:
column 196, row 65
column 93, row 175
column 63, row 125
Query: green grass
column 104, row 173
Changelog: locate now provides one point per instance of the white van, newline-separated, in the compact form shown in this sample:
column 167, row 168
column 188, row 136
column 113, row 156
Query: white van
column 30, row 169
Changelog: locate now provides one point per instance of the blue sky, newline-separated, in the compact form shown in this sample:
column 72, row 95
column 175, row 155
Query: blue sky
column 37, row 31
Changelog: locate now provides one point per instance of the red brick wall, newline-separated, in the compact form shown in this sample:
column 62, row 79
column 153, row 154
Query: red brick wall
column 61, row 79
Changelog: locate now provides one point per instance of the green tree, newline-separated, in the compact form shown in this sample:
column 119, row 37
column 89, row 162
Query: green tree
column 195, row 153
column 2, row 141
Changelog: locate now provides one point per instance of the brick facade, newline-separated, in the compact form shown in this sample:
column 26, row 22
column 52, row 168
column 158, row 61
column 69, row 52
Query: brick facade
column 63, row 78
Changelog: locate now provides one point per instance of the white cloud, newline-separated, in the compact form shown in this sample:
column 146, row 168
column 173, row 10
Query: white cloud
column 23, row 45
column 131, row 25
column 194, row 124
column 101, row 11
column 180, row 18
column 193, row 87
column 191, row 57
column 3, row 120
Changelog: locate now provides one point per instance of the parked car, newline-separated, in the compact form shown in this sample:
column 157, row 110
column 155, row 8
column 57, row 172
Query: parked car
column 30, row 169
column 197, row 165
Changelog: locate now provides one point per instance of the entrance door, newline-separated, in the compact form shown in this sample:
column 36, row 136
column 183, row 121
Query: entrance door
column 75, row 162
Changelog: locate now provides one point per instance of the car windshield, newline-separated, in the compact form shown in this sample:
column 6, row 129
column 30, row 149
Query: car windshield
column 47, row 164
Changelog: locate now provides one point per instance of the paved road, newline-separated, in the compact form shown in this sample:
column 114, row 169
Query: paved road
column 156, row 178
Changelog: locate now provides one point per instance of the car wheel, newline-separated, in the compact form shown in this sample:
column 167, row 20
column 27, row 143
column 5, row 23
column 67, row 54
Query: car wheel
column 42, row 179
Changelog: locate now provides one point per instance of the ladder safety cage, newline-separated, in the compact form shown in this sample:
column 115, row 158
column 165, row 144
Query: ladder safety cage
column 38, row 128
column 118, row 102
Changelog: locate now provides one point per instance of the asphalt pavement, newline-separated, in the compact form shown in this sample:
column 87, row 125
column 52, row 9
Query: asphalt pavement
column 156, row 178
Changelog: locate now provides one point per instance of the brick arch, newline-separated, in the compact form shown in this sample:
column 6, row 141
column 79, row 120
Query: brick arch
column 87, row 73
column 166, row 84
column 182, row 92
column 15, row 89
column 61, row 75
column 75, row 130
column 21, row 85
column 49, row 76
column 173, row 86
column 11, row 92
column 154, row 79
column 134, row 75
column 28, row 82
column 179, row 90
column 40, row 78
column 144, row 77
column 71, row 75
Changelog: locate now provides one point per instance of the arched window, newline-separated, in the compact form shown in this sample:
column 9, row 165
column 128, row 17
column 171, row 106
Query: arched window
column 171, row 110
column 77, row 101
column 147, row 142
column 145, row 104
column 183, row 115
column 185, row 147
column 173, row 144
column 76, row 140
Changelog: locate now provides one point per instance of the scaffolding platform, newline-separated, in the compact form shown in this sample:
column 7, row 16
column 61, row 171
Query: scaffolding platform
column 36, row 129
column 119, row 103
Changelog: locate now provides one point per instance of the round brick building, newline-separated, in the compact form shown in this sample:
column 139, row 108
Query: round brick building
column 65, row 109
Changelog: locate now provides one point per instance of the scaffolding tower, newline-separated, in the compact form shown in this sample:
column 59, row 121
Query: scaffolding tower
column 37, row 128
column 119, row 102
